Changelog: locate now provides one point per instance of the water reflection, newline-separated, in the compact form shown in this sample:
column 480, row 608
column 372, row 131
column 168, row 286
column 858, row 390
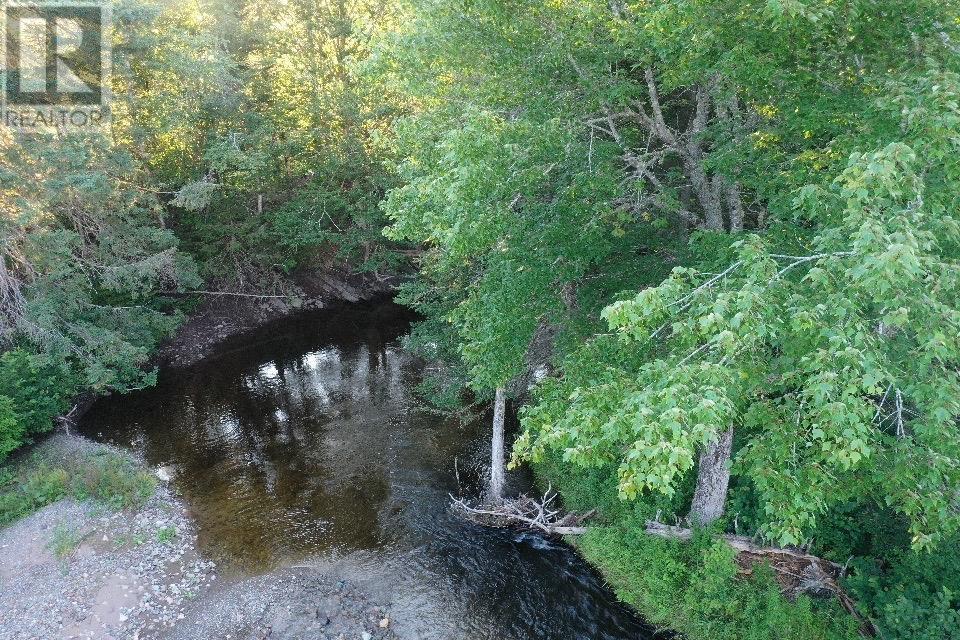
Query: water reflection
column 305, row 441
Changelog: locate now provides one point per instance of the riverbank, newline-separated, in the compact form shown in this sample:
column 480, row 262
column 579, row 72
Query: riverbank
column 694, row 588
column 114, row 556
column 222, row 317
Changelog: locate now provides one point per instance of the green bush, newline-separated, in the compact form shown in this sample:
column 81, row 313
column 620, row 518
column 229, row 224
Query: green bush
column 908, row 594
column 30, row 491
column 33, row 390
column 932, row 618
column 113, row 480
column 166, row 535
column 690, row 587
column 11, row 428
column 693, row 588
column 104, row 477
column 911, row 595
column 586, row 488
column 65, row 540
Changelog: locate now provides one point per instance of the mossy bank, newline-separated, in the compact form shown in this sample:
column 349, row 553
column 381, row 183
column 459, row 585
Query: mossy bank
column 693, row 587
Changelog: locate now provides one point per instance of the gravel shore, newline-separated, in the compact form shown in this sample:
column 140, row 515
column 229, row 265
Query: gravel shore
column 81, row 571
column 290, row 603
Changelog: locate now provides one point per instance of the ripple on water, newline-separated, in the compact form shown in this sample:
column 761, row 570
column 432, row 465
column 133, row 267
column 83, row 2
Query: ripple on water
column 307, row 444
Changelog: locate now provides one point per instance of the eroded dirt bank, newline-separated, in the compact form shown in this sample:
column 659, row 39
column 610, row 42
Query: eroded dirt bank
column 222, row 317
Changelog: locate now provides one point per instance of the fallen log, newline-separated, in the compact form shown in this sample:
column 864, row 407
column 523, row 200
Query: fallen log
column 525, row 512
column 796, row 572
column 739, row 543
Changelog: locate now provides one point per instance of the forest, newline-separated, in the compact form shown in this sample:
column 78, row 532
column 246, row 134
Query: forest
column 706, row 253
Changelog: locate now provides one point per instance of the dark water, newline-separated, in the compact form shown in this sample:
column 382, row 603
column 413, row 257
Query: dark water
column 304, row 444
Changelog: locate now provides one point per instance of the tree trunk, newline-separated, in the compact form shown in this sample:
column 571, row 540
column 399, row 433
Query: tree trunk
column 703, row 188
column 497, row 471
column 735, row 204
column 713, row 476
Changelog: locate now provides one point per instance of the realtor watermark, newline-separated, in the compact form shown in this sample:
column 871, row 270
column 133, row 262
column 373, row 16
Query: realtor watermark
column 56, row 65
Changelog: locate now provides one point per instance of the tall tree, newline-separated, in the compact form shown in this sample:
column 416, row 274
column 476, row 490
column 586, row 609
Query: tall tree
column 86, row 259
column 779, row 349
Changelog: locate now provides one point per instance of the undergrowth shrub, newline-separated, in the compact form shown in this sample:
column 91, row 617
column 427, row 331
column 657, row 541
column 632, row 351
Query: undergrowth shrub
column 908, row 594
column 911, row 595
column 11, row 429
column 690, row 587
column 113, row 480
column 107, row 478
column 65, row 540
column 33, row 390
column 693, row 588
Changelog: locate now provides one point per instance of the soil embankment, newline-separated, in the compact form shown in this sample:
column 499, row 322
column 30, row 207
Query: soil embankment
column 225, row 316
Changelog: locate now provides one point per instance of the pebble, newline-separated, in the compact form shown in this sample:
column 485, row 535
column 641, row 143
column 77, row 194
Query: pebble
column 161, row 589
column 67, row 590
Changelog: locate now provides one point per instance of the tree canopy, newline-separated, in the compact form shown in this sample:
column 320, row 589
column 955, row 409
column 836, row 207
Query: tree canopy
column 729, row 217
column 711, row 246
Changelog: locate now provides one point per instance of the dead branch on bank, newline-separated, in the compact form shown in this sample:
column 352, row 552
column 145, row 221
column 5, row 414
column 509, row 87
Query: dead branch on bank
column 525, row 512
column 796, row 572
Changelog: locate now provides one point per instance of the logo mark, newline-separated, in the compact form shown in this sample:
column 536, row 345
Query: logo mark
column 57, row 62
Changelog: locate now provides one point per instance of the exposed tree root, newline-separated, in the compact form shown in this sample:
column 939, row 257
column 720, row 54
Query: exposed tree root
column 525, row 512
column 795, row 571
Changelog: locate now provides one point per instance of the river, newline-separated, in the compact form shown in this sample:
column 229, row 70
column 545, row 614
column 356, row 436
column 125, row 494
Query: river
column 304, row 443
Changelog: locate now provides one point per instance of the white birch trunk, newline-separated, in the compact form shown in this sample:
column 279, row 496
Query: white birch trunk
column 497, row 465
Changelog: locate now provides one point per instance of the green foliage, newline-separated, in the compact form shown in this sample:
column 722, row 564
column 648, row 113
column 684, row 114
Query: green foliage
column 568, row 169
column 106, row 477
column 65, row 540
column 523, row 217
column 546, row 146
column 687, row 587
column 907, row 593
column 925, row 617
column 86, row 260
column 33, row 390
column 11, row 429
column 113, row 480
column 236, row 153
column 262, row 134
column 758, row 345
column 912, row 594
column 511, row 218
column 693, row 589
column 166, row 535
column 21, row 496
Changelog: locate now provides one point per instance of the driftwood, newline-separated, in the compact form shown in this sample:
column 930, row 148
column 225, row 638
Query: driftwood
column 796, row 572
column 525, row 512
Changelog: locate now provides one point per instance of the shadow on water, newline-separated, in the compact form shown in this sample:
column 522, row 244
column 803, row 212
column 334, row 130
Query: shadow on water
column 304, row 442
